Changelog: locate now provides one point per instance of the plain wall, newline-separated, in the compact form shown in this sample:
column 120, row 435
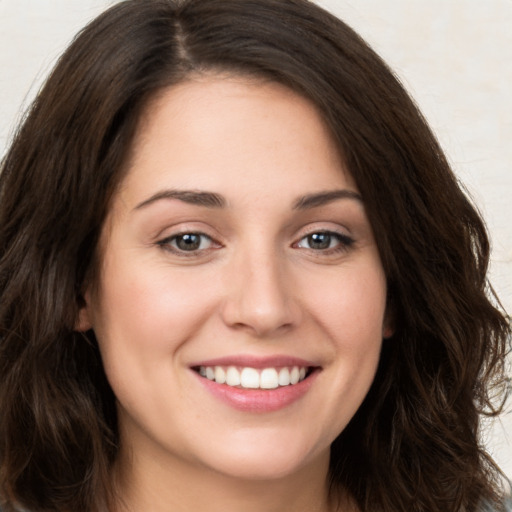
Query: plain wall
column 454, row 56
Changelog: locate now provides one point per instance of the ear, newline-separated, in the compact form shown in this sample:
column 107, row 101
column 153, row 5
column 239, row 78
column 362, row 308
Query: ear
column 388, row 325
column 83, row 322
column 387, row 331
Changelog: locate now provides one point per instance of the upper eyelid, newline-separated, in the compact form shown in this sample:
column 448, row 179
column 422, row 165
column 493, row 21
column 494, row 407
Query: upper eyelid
column 343, row 237
column 217, row 237
column 319, row 227
column 166, row 244
column 185, row 228
column 341, row 234
column 187, row 232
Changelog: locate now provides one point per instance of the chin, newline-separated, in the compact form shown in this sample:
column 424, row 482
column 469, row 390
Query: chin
column 265, row 461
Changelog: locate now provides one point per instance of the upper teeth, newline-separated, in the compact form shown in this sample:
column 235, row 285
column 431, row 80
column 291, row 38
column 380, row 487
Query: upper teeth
column 252, row 378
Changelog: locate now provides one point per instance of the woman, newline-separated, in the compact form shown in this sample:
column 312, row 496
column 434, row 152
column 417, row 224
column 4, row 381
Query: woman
column 237, row 272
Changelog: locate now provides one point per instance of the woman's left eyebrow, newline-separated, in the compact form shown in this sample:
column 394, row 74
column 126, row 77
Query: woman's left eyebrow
column 322, row 198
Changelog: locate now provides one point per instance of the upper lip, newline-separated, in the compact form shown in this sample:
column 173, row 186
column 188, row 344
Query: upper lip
column 258, row 362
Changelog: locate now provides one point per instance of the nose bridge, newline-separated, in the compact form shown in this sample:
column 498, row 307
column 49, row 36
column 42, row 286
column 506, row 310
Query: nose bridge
column 260, row 297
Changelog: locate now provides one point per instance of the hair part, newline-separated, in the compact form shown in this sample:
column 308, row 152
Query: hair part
column 414, row 444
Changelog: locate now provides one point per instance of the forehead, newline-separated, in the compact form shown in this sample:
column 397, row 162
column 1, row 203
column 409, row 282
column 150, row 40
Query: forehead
column 214, row 131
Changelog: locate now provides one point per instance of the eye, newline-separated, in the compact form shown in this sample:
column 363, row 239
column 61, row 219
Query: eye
column 325, row 241
column 187, row 242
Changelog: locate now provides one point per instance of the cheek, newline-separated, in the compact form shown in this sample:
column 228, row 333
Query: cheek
column 350, row 304
column 350, row 311
column 143, row 316
column 143, row 311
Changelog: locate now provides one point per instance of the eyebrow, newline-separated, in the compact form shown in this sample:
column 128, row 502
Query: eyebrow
column 214, row 200
column 322, row 198
column 195, row 197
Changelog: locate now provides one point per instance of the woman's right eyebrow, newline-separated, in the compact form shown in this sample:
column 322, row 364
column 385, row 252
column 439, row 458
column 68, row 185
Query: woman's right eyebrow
column 195, row 197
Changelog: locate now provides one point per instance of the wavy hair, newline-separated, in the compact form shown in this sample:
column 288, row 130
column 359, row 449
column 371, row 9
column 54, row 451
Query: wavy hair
column 413, row 446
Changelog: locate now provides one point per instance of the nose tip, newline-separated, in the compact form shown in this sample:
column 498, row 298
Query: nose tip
column 260, row 301
column 260, row 320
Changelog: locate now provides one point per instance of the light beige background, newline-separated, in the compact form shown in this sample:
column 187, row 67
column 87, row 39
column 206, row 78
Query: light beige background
column 454, row 56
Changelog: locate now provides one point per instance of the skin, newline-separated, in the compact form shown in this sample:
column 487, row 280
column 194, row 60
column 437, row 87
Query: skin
column 255, row 286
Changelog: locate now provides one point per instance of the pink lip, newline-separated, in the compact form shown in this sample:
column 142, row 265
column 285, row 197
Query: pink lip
column 258, row 400
column 243, row 361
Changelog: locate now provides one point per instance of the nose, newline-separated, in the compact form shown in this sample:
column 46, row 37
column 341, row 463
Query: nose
column 260, row 297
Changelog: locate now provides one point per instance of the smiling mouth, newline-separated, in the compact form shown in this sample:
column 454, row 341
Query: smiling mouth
column 253, row 378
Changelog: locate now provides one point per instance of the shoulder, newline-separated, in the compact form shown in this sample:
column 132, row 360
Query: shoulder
column 491, row 508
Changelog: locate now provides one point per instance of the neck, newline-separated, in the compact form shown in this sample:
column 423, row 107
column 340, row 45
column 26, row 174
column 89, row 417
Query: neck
column 159, row 486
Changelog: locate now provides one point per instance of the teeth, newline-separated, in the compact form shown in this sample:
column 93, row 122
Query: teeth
column 220, row 375
column 269, row 379
column 251, row 378
column 284, row 377
column 232, row 377
column 294, row 375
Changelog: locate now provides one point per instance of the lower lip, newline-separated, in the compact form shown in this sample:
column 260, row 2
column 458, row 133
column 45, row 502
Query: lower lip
column 259, row 400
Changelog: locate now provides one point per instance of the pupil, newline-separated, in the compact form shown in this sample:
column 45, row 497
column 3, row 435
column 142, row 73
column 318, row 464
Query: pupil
column 319, row 240
column 189, row 242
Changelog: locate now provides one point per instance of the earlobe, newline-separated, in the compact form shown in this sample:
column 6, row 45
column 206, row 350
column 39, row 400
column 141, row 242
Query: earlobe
column 83, row 322
column 388, row 326
column 387, row 332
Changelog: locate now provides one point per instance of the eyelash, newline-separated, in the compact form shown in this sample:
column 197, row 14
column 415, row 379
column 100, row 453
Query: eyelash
column 170, row 243
column 343, row 242
column 167, row 243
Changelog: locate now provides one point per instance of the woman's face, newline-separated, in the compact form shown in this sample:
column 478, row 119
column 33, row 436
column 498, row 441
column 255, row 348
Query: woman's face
column 237, row 248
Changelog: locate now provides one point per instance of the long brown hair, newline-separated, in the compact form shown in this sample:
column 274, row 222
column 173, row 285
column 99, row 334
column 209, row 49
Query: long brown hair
column 414, row 443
